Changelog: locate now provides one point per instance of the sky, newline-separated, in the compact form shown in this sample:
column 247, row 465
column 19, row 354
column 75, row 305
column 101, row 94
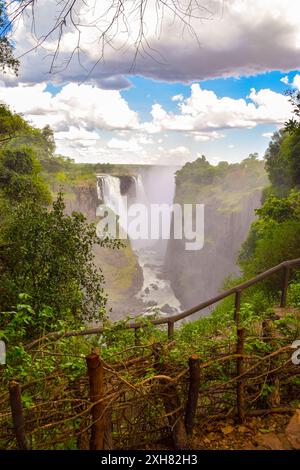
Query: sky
column 215, row 88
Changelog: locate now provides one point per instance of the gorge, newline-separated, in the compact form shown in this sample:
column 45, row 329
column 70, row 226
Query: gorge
column 147, row 276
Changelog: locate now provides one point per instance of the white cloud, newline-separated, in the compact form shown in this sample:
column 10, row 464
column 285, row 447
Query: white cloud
column 203, row 113
column 180, row 150
column 285, row 80
column 99, row 125
column 82, row 106
column 267, row 135
column 179, row 97
column 240, row 39
column 207, row 136
column 296, row 82
column 176, row 156
column 130, row 145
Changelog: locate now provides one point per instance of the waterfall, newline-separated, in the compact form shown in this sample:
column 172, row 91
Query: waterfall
column 109, row 192
column 140, row 190
column 156, row 291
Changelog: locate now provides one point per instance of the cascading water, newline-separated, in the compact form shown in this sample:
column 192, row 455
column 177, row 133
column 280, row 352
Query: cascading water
column 109, row 192
column 156, row 292
column 140, row 190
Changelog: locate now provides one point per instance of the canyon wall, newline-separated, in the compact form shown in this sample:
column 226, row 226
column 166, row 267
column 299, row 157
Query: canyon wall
column 229, row 202
column 122, row 273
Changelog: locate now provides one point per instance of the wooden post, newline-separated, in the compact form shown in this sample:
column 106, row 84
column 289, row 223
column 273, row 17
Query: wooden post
column 172, row 405
column 285, row 287
column 240, row 394
column 237, row 307
column 96, row 381
column 17, row 414
column 274, row 398
column 175, row 418
column 191, row 405
column 137, row 341
column 108, row 433
column 170, row 329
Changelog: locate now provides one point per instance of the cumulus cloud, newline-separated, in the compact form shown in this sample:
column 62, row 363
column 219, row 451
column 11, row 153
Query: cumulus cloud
column 267, row 135
column 96, row 124
column 130, row 145
column 296, row 82
column 177, row 97
column 285, row 80
column 82, row 106
column 203, row 113
column 239, row 39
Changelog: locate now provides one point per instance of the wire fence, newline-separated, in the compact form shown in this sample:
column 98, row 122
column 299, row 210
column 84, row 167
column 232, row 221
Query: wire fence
column 148, row 396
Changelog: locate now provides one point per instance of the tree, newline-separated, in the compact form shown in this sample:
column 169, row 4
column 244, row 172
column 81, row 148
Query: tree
column 40, row 140
column 11, row 124
column 293, row 124
column 274, row 237
column 283, row 154
column 7, row 60
column 20, row 178
column 49, row 256
column 277, row 162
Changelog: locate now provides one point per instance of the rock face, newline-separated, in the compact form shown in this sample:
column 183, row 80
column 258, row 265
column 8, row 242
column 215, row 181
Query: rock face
column 123, row 275
column 82, row 198
column 229, row 208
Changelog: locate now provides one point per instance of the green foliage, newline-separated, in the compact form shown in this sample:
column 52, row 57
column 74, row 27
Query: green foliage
column 48, row 255
column 41, row 141
column 273, row 238
column 292, row 125
column 294, row 294
column 19, row 176
column 44, row 253
column 202, row 172
column 277, row 162
column 283, row 154
column 10, row 123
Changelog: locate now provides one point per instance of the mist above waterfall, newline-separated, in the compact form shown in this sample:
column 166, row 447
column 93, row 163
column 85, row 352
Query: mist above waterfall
column 159, row 188
column 152, row 185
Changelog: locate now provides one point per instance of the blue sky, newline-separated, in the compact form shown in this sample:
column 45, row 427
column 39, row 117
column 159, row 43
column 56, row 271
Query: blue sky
column 222, row 96
column 144, row 91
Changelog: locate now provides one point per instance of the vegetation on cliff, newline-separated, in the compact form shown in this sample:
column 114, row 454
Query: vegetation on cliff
column 230, row 193
column 45, row 253
column 275, row 235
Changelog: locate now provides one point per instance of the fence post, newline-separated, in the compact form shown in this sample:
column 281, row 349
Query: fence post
column 96, row 382
column 172, row 405
column 170, row 329
column 237, row 307
column 137, row 341
column 194, row 383
column 273, row 399
column 240, row 393
column 17, row 414
column 285, row 286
